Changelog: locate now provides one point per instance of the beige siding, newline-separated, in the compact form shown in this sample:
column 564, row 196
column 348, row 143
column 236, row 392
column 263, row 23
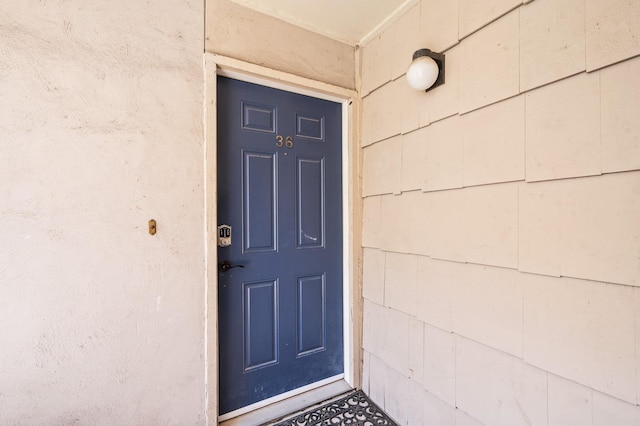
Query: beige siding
column 489, row 70
column 552, row 41
column 563, row 129
column 481, row 142
column 612, row 32
column 619, row 126
column 518, row 198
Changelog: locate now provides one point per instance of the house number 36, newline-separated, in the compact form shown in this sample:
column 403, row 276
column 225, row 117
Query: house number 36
column 280, row 141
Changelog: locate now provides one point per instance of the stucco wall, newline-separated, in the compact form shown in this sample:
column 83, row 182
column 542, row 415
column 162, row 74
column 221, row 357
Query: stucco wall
column 501, row 215
column 241, row 33
column 101, row 130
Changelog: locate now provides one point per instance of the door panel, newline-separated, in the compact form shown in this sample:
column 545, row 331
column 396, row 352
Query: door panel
column 310, row 202
column 280, row 189
column 261, row 118
column 260, row 188
column 311, row 314
column 310, row 126
column 260, row 324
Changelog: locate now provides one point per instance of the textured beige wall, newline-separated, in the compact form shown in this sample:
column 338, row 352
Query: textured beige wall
column 502, row 215
column 100, row 131
column 241, row 33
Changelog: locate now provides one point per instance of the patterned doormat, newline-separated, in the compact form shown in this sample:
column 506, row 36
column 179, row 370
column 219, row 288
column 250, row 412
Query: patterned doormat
column 355, row 409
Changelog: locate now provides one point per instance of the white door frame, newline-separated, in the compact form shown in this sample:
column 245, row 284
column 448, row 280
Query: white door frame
column 215, row 65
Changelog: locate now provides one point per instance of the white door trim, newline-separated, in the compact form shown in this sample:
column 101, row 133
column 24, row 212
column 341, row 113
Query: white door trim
column 352, row 315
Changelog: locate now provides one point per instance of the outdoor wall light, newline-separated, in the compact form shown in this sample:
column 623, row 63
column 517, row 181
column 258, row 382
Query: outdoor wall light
column 426, row 71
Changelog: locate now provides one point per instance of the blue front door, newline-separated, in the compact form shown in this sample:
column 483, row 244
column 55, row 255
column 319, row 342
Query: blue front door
column 280, row 279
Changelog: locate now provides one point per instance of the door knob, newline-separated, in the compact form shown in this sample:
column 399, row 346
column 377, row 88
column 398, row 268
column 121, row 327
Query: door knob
column 225, row 265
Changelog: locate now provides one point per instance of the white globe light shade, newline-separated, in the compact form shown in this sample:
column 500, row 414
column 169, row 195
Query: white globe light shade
column 422, row 73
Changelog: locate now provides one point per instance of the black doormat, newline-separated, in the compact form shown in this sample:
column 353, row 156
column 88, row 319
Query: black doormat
column 355, row 409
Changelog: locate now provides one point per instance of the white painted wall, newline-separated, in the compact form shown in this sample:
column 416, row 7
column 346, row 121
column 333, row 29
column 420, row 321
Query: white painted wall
column 505, row 288
column 101, row 130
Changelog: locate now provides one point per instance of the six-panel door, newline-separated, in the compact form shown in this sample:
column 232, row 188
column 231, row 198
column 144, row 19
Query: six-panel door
column 280, row 190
